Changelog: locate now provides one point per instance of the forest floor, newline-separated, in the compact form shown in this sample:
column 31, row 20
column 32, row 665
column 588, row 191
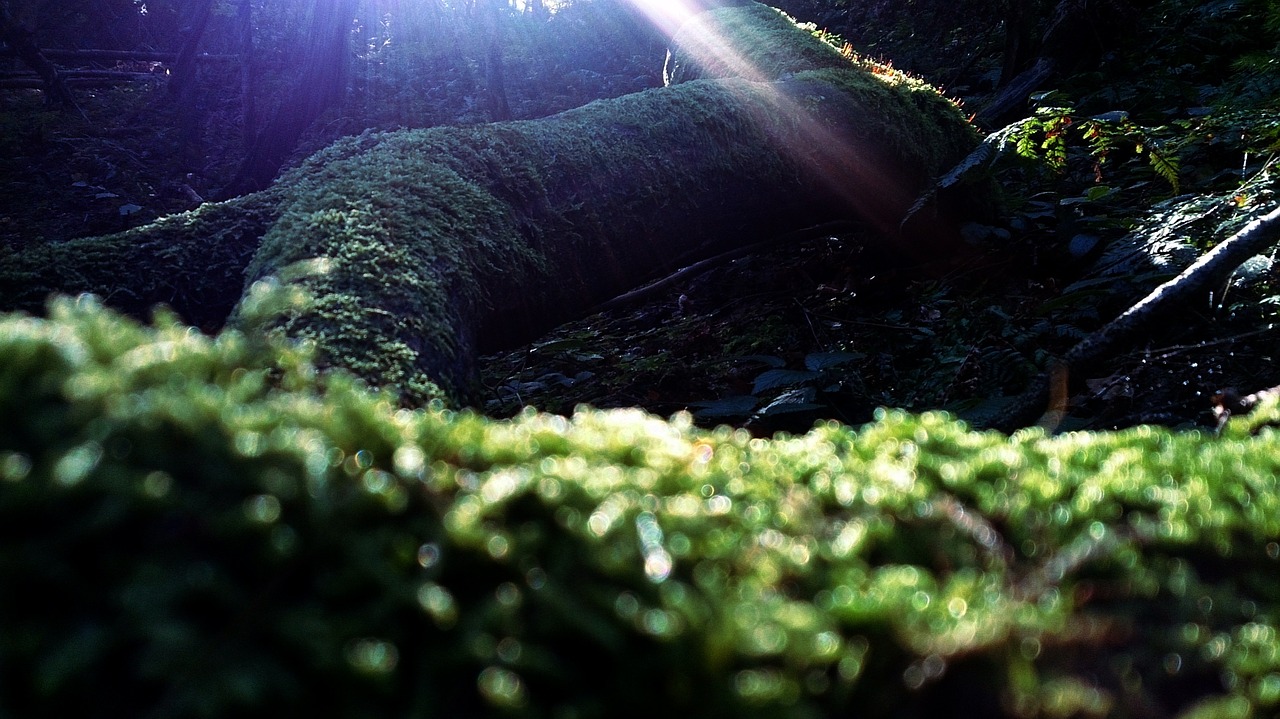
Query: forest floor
column 116, row 164
column 832, row 329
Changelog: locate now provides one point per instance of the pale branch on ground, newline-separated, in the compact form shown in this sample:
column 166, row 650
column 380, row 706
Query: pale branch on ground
column 1206, row 274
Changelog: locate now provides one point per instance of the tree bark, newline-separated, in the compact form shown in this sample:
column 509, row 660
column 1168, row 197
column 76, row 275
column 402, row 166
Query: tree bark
column 1018, row 23
column 495, row 80
column 182, row 88
column 182, row 74
column 423, row 248
column 248, row 75
column 321, row 86
column 19, row 38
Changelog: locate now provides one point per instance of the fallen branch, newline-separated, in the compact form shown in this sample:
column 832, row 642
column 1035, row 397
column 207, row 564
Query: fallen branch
column 653, row 288
column 120, row 56
column 1205, row 274
column 87, row 74
column 71, row 79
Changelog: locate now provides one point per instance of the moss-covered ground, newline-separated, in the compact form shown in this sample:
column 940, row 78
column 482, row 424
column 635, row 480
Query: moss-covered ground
column 228, row 533
column 209, row 526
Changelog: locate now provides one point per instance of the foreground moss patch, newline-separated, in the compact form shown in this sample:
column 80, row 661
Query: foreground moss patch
column 208, row 526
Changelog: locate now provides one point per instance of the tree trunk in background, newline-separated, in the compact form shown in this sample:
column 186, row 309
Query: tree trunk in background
column 1018, row 25
column 1077, row 36
column 322, row 85
column 495, row 84
column 182, row 88
column 20, row 39
column 183, row 72
column 248, row 79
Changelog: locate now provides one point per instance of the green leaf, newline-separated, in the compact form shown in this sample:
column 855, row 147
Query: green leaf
column 1165, row 166
column 774, row 378
column 818, row 361
column 1097, row 192
column 736, row 406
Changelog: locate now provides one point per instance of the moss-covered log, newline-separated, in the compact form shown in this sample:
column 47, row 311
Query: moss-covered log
column 426, row 246
column 193, row 262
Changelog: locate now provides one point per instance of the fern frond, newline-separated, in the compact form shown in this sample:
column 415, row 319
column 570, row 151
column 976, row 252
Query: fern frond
column 1166, row 166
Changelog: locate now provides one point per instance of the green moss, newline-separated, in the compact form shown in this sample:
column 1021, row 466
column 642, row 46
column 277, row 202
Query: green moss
column 440, row 238
column 755, row 42
column 193, row 262
column 910, row 118
column 403, row 242
column 397, row 563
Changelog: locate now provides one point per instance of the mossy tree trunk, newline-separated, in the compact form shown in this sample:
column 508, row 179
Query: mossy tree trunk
column 24, row 45
column 426, row 247
column 320, row 87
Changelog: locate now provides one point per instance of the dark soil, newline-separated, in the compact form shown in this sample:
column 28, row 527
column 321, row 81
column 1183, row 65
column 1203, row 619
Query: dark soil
column 829, row 330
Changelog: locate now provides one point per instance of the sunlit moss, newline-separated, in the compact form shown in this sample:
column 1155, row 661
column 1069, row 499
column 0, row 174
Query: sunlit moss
column 161, row 481
column 756, row 42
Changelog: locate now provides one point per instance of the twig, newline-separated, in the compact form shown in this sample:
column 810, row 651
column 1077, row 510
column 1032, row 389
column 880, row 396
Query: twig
column 647, row 291
column 1175, row 350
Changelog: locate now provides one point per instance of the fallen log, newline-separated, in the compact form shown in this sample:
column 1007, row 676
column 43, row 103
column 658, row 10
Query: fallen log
column 92, row 55
column 425, row 247
column 74, row 80
column 87, row 74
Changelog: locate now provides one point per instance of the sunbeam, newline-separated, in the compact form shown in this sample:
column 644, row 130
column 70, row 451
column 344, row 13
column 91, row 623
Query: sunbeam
column 709, row 44
column 667, row 15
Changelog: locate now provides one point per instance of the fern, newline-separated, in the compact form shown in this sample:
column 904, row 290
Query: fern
column 1046, row 137
column 1166, row 166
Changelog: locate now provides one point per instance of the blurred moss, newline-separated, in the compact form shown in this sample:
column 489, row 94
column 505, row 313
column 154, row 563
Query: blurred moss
column 206, row 526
